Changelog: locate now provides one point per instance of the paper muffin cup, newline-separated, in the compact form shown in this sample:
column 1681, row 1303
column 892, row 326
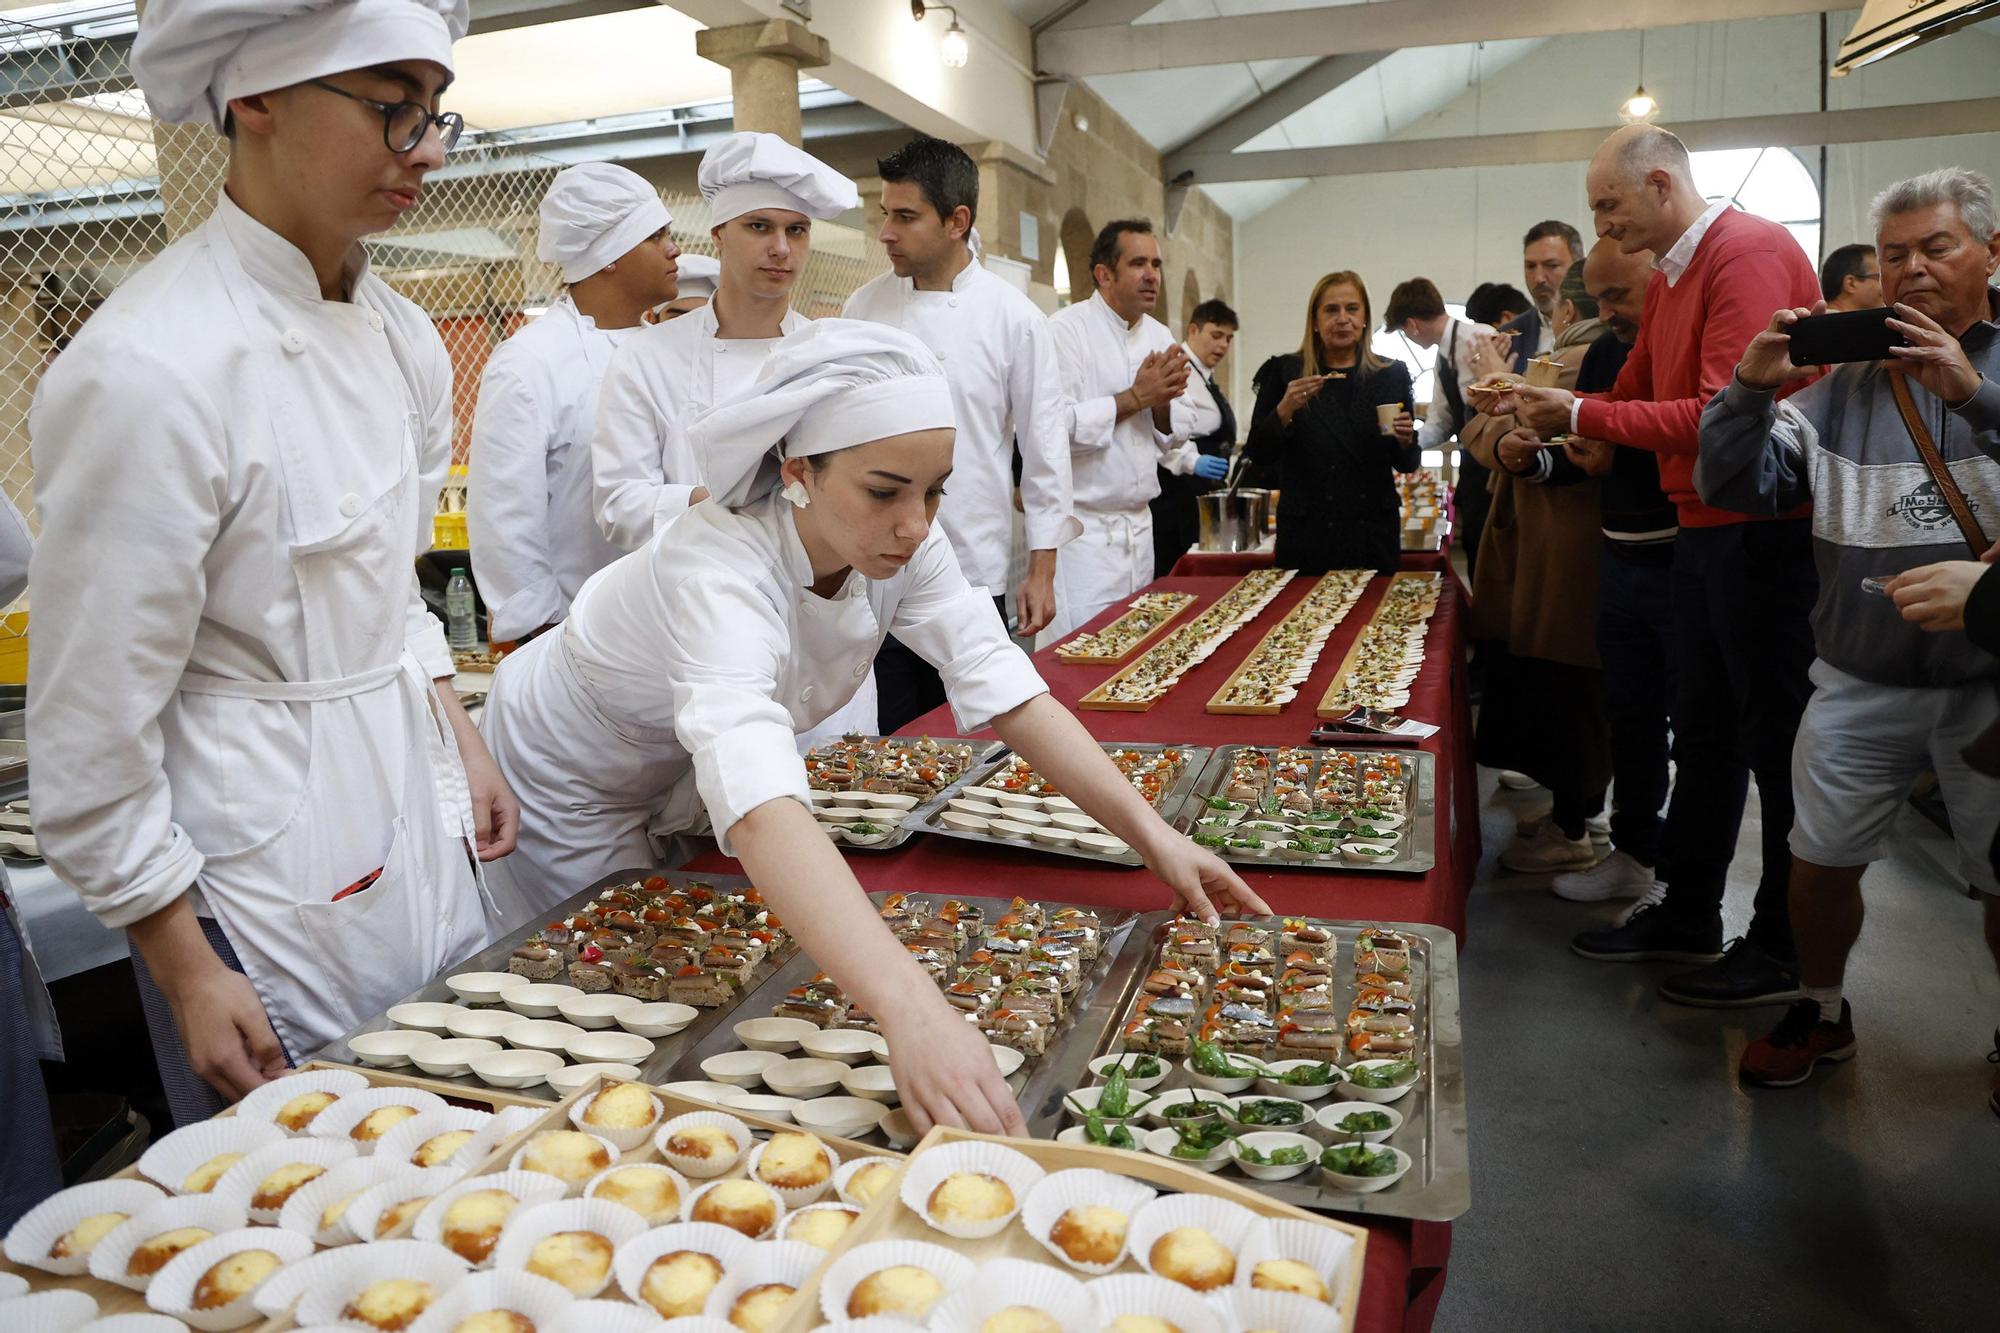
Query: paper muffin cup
column 698, row 1168
column 302, row 1212
column 880, row 1323
column 527, row 1226
column 926, row 1172
column 1009, row 1282
column 400, row 1144
column 950, row 1268
column 397, row 1185
column 134, row 1323
column 172, row 1291
column 49, row 1311
column 571, row 1188
column 844, row 1177
column 169, row 1161
column 108, row 1261
column 799, row 1197
column 276, row 1297
column 1230, row 1224
column 528, row 1188
column 627, row 1138
column 729, row 1248
column 788, row 1262
column 1321, row 1248
column 512, row 1120
column 785, row 1226
column 604, row 1317
column 1142, row 1293
column 698, row 1324
column 1061, row 1191
column 536, row 1299
column 681, row 1187
column 239, row 1183
column 12, row 1285
column 1277, row 1311
column 31, row 1239
column 368, row 1264
column 264, row 1103
column 337, row 1120
column 689, row 1204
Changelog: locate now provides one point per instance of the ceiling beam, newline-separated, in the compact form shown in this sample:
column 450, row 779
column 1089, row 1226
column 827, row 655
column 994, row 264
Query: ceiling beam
column 498, row 15
column 1096, row 13
column 1294, row 94
column 1798, row 130
column 1387, row 26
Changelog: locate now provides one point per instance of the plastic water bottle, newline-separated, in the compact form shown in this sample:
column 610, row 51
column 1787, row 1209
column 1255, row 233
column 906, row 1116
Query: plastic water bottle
column 460, row 629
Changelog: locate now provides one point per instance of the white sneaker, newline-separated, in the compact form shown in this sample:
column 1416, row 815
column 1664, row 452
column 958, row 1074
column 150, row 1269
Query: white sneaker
column 1616, row 876
column 1598, row 826
column 1655, row 894
column 1517, row 781
column 1546, row 850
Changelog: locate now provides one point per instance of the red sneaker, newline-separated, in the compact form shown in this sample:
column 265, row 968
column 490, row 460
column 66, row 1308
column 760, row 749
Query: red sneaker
column 1802, row 1039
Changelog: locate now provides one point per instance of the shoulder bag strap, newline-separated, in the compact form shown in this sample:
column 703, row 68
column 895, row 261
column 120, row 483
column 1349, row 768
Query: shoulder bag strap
column 1968, row 526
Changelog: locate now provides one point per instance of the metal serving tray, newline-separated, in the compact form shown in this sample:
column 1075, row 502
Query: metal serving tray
column 924, row 818
column 1416, row 852
column 900, row 831
column 1438, row 1186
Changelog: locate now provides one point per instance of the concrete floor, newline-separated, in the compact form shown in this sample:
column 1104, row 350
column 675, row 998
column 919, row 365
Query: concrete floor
column 1624, row 1179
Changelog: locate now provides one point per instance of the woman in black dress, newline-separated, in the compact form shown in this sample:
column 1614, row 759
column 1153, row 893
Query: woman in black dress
column 1316, row 426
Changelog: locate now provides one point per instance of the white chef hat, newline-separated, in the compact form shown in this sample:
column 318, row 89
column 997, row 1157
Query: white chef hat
column 749, row 171
column 192, row 56
column 593, row 213
column 831, row 385
column 699, row 274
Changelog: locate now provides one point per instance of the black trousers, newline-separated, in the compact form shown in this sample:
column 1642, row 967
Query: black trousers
column 1176, row 519
column 1470, row 504
column 906, row 686
column 1635, row 641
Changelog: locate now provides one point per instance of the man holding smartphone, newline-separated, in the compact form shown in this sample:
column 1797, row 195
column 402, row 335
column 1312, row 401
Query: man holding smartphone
column 1891, row 701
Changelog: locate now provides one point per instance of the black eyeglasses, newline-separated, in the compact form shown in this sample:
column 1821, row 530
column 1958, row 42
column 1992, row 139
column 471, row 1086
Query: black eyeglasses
column 404, row 124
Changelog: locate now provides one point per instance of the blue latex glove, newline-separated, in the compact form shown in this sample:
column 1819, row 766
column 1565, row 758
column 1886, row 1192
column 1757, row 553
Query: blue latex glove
column 1211, row 467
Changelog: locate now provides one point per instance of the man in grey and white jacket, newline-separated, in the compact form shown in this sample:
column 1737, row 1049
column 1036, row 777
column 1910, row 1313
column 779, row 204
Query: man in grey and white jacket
column 1891, row 701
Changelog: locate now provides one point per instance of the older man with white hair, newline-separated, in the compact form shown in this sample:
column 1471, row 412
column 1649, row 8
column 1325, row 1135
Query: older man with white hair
column 1902, row 460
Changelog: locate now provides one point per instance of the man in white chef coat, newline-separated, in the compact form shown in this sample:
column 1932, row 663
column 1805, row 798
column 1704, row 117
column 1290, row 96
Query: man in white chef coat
column 763, row 196
column 530, row 513
column 1000, row 359
column 240, row 755
column 1123, row 376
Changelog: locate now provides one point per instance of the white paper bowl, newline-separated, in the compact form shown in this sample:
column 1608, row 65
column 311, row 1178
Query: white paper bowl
column 613, row 1047
column 604, row 1317
column 424, row 1015
column 740, row 1069
column 49, row 1312
column 596, row 1010
column 1009, row 1059
column 769, row 1107
column 530, row 1225
column 405, row 1183
column 574, row 1078
column 1080, row 1103
column 1006, row 1283
column 1226, row 1086
column 1381, row 1096
column 135, row 1322
column 527, row 1187
column 1324, row 1250
column 1160, row 1143
column 702, row 1168
column 31, row 1239
column 538, row 999
column 796, row 1196
column 1268, row 1142
column 1060, row 1191
column 108, row 1261
column 693, row 1201
column 369, row 1264
column 682, row 1188
column 842, row 1044
column 483, row 1024
column 451, row 1057
column 1233, row 1115
column 239, row 1184
column 781, row 1035
column 389, row 1048
column 304, row 1211
column 515, row 1069
column 172, row 1289
column 787, row 1227
column 339, row 1120
column 1271, row 1087
column 520, row 1158
column 483, row 987
column 951, row 1269
column 965, row 821
column 542, row 1034
column 170, row 1161
column 1230, row 1224
column 1368, row 1184
column 931, row 1169
column 658, row 1019
column 400, row 1145
column 1102, row 1066
column 841, row 1117
column 728, row 1248
column 624, row 1137
column 1329, row 1118
column 1156, row 1111
column 805, row 1078
column 265, row 1102
column 1142, row 1293
column 898, row 1129
column 875, row 1082
column 703, row 1090
column 538, row 1300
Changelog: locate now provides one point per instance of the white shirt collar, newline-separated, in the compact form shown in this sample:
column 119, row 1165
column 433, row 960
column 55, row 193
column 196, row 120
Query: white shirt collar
column 1675, row 261
column 1201, row 372
column 1117, row 320
column 274, row 261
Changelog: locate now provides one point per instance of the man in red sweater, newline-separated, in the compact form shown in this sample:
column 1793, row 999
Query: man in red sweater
column 1743, row 588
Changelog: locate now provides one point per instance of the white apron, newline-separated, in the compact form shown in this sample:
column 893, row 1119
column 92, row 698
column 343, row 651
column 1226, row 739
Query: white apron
column 1109, row 561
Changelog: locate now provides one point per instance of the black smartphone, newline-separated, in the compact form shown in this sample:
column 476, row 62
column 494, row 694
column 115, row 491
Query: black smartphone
column 1850, row 335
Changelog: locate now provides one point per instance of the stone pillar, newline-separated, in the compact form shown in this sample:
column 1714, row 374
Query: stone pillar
column 870, row 211
column 764, row 60
column 1010, row 185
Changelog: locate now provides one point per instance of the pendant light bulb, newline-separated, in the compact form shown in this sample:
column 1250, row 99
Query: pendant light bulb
column 954, row 47
column 1641, row 106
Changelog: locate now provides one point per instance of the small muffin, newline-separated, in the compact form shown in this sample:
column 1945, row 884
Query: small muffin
column 379, row 1122
column 1021, row 1319
column 392, row 1304
column 495, row 1321
column 869, row 1181
column 1290, row 1275
column 579, row 1261
column 398, row 1213
column 1193, row 1258
column 821, row 1227
column 1090, row 1234
column 794, row 1161
column 82, row 1238
column 621, row 1106
column 648, row 1192
column 204, row 1177
column 438, row 1148
column 329, row 1216
column 740, row 1205
column 707, row 1143
column 757, row 1309
column 565, row 1154
column 1140, row 1323
column 233, row 1278
column 470, row 1228
column 968, row 1197
column 678, row 1284
column 154, row 1254
column 902, row 1290
column 298, row 1113
column 282, row 1184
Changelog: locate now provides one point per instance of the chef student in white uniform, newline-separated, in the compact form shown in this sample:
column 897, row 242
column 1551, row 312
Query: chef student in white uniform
column 240, row 755
column 695, row 288
column 1000, row 357
column 1124, row 375
column 688, row 666
column 530, row 514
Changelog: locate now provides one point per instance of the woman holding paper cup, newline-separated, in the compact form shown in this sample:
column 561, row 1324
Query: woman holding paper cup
column 1336, row 422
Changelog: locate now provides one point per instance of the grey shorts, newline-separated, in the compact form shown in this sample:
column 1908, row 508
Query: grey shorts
column 1861, row 748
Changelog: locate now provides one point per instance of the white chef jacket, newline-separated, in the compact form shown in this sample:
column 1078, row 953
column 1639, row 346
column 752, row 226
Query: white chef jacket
column 662, row 379
column 530, row 513
column 1204, row 417
column 1461, row 341
column 1000, row 358
column 167, row 525
column 1113, row 461
column 701, row 656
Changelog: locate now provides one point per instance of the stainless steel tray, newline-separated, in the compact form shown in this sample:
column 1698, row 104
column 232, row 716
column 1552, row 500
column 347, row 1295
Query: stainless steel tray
column 1416, row 853
column 1438, row 1186
column 983, row 752
column 924, row 818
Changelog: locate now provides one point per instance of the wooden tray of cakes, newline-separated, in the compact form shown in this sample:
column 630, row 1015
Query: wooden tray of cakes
column 1148, row 614
column 1337, row 1039
column 1317, row 808
column 978, row 1232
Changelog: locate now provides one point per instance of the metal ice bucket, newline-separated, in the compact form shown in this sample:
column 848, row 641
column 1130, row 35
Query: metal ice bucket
column 1232, row 520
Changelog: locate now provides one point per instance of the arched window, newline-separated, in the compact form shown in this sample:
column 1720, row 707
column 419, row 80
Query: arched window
column 1770, row 182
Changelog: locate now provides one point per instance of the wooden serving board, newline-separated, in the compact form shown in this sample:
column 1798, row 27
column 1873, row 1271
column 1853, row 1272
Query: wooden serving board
column 1183, row 600
column 887, row 1219
column 1099, row 700
column 1217, row 702
column 1327, row 707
